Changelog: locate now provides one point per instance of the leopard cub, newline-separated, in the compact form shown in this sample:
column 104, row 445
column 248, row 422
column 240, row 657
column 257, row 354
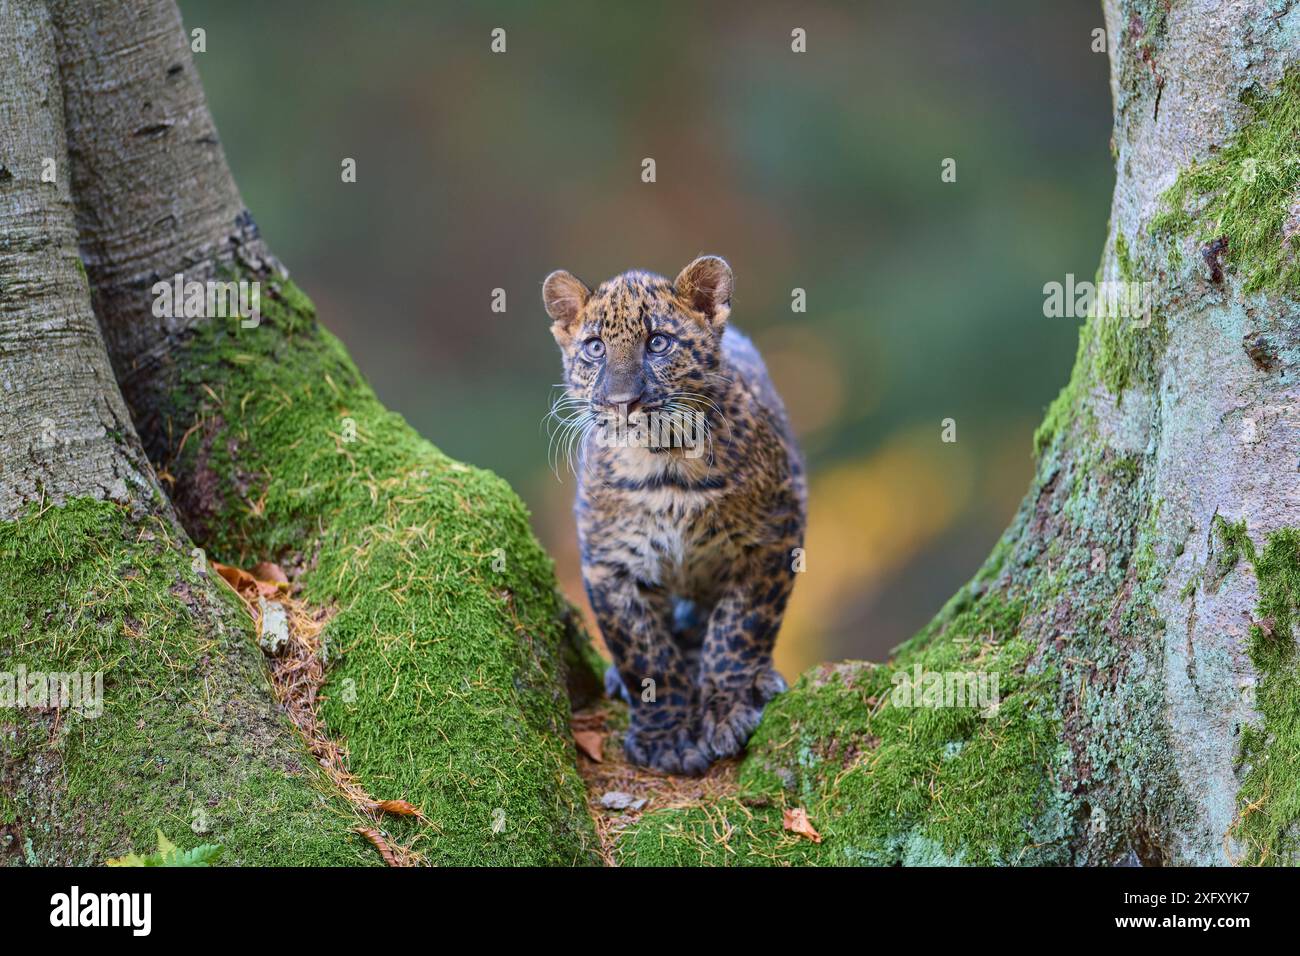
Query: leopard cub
column 690, row 506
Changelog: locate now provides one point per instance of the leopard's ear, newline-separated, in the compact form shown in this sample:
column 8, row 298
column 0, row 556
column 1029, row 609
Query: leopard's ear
column 706, row 284
column 564, row 295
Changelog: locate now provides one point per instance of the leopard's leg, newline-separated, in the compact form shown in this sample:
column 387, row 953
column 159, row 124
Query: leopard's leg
column 736, row 674
column 634, row 618
column 687, row 630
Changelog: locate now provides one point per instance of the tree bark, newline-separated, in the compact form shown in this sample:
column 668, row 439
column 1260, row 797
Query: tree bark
column 1207, row 411
column 154, row 194
column 64, row 430
column 450, row 646
column 179, row 730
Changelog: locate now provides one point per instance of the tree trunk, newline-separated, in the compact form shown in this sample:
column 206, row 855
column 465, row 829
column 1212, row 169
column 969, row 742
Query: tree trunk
column 65, row 432
column 1139, row 610
column 154, row 194
column 449, row 644
column 179, row 730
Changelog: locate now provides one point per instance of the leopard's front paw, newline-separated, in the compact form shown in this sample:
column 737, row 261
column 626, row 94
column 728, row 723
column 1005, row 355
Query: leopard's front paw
column 728, row 717
column 768, row 684
column 671, row 751
column 727, row 723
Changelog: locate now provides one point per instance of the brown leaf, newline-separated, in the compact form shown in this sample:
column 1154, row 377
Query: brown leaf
column 270, row 590
column 590, row 743
column 235, row 577
column 386, row 852
column 269, row 571
column 796, row 821
column 400, row 808
column 251, row 587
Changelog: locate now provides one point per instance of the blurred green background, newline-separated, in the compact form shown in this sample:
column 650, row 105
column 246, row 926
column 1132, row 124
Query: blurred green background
column 819, row 170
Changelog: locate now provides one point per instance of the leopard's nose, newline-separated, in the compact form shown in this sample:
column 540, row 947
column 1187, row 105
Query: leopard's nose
column 631, row 399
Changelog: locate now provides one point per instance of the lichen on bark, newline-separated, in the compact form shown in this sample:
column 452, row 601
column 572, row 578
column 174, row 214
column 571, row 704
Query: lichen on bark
column 1267, row 825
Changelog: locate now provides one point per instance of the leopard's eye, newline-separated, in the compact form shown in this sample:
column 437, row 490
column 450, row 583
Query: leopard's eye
column 659, row 343
column 593, row 350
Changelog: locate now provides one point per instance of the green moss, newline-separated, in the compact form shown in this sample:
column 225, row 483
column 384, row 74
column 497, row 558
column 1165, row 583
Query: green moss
column 1234, row 539
column 449, row 641
column 1145, row 560
column 1113, row 350
column 1123, row 468
column 727, row 832
column 884, row 782
column 1268, row 824
column 1067, row 404
column 1059, row 414
column 1122, row 259
column 1116, row 351
column 188, row 738
column 1234, row 545
column 1245, row 192
column 1125, row 352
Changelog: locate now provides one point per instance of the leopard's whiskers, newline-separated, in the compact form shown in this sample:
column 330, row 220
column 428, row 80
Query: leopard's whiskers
column 678, row 411
column 568, row 413
column 704, row 405
column 577, row 444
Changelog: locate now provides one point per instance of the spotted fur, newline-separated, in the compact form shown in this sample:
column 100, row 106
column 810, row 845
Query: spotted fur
column 688, row 555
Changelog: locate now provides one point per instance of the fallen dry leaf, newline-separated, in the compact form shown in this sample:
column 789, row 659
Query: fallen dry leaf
column 400, row 808
column 386, row 852
column 249, row 586
column 269, row 571
column 796, row 821
column 234, row 576
column 590, row 743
